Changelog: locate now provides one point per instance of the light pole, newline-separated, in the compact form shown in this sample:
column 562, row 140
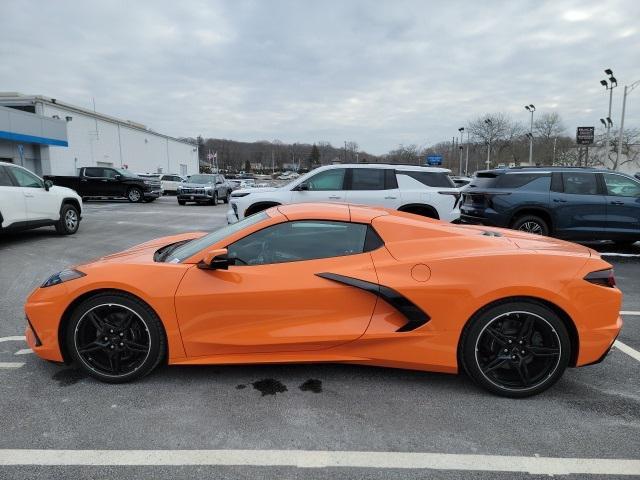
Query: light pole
column 627, row 90
column 461, row 130
column 531, row 108
column 488, row 122
column 609, row 85
column 466, row 161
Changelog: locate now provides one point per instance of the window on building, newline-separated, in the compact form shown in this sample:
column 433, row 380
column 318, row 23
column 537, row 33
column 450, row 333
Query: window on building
column 183, row 169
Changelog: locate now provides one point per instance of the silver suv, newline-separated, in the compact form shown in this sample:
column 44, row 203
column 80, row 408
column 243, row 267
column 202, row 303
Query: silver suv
column 204, row 188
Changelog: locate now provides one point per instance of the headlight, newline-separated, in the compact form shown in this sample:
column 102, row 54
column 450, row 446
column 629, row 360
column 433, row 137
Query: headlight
column 63, row 276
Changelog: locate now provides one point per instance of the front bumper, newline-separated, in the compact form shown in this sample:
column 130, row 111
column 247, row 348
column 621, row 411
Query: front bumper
column 152, row 194
column 195, row 197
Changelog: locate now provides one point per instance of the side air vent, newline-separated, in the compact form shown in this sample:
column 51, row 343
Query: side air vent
column 414, row 315
column 487, row 233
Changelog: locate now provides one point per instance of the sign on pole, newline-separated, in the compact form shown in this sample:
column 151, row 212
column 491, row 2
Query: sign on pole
column 434, row 160
column 585, row 135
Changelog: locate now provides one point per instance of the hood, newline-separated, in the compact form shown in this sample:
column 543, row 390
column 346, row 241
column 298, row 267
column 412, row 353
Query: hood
column 64, row 191
column 196, row 185
column 256, row 189
column 144, row 251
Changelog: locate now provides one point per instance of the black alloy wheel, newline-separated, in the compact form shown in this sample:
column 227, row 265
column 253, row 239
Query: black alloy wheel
column 516, row 349
column 531, row 224
column 115, row 338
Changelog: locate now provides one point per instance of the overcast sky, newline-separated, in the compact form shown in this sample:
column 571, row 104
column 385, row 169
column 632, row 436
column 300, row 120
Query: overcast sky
column 380, row 73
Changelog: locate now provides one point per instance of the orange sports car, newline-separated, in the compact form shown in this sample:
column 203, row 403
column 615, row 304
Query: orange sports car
column 336, row 283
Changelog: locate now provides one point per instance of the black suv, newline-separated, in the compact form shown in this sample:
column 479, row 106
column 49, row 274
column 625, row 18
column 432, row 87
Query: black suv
column 570, row 203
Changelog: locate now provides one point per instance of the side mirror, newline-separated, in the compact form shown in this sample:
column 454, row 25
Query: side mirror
column 48, row 184
column 118, row 176
column 215, row 260
column 303, row 186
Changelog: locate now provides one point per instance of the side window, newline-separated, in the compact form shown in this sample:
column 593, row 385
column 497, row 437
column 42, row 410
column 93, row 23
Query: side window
column 431, row 179
column 109, row 173
column 26, row 179
column 5, row 179
column 621, row 186
column 367, row 178
column 556, row 182
column 299, row 240
column 93, row 172
column 517, row 180
column 580, row 183
column 328, row 180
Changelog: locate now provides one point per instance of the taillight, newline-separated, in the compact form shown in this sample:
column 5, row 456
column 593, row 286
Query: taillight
column 605, row 278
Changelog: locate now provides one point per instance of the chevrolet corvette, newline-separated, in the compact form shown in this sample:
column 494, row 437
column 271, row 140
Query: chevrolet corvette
column 336, row 283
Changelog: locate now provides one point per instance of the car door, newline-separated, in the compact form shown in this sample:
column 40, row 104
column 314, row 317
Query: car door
column 578, row 205
column 113, row 184
column 94, row 182
column 13, row 206
column 324, row 186
column 39, row 203
column 373, row 186
column 623, row 204
column 272, row 299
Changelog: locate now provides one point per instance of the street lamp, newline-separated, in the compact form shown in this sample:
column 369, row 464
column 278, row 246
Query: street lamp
column 488, row 122
column 461, row 130
column 531, row 108
column 627, row 90
column 609, row 84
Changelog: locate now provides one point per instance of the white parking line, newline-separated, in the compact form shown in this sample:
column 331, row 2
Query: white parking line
column 324, row 459
column 15, row 338
column 23, row 351
column 9, row 365
column 628, row 312
column 628, row 350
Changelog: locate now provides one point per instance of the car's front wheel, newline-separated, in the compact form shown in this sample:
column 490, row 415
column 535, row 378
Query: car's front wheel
column 516, row 349
column 115, row 337
column 134, row 195
column 227, row 197
column 531, row 224
column 69, row 220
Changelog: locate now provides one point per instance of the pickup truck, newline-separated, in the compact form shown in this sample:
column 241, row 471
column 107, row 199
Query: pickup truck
column 111, row 183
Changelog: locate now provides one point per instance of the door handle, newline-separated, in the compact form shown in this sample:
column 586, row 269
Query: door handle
column 559, row 200
column 390, row 198
column 28, row 195
column 334, row 197
column 617, row 202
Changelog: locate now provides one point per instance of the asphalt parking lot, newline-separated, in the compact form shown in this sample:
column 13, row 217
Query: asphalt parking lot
column 593, row 412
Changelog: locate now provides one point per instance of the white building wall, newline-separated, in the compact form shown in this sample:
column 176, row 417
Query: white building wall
column 119, row 145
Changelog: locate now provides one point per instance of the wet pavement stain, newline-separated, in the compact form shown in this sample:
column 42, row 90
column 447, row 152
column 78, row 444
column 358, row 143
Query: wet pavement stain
column 241, row 386
column 269, row 386
column 311, row 385
column 68, row 376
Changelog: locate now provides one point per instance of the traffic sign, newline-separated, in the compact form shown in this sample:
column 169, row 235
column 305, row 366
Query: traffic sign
column 434, row 160
column 585, row 135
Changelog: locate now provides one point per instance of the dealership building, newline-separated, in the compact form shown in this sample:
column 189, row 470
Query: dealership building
column 51, row 137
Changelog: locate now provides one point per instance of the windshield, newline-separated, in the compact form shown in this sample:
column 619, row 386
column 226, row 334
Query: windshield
column 194, row 246
column 126, row 173
column 202, row 179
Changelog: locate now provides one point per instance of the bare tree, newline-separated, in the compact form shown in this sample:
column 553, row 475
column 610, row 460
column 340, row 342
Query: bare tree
column 548, row 126
column 629, row 153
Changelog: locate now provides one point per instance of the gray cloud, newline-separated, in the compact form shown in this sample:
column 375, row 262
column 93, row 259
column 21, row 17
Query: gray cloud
column 380, row 73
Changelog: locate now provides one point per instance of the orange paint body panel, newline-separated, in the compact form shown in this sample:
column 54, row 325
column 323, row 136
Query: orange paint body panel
column 285, row 312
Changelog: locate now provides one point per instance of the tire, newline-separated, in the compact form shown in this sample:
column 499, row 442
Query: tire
column 214, row 200
column 69, row 220
column 625, row 243
column 226, row 198
column 505, row 357
column 134, row 195
column 181, row 202
column 135, row 341
column 531, row 224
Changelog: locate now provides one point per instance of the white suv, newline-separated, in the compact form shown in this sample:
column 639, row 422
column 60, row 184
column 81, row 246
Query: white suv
column 425, row 191
column 27, row 201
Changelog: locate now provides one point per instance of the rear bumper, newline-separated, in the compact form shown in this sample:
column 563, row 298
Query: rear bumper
column 596, row 343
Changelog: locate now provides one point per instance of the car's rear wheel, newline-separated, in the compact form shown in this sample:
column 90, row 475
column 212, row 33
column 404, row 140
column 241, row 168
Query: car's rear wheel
column 516, row 349
column 531, row 224
column 134, row 195
column 115, row 338
column 69, row 220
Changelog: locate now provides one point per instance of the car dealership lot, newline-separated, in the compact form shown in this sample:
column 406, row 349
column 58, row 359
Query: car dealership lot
column 593, row 412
